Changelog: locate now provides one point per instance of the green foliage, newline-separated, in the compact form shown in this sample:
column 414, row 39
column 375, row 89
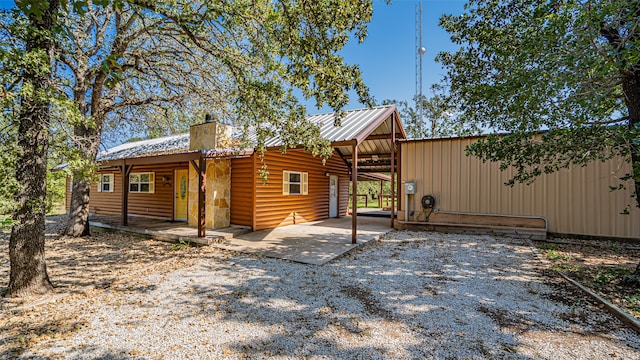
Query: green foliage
column 8, row 155
column 527, row 66
column 56, row 191
column 181, row 244
column 605, row 276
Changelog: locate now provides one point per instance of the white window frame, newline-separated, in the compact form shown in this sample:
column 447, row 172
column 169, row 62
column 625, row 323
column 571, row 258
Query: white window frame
column 102, row 182
column 286, row 182
column 151, row 182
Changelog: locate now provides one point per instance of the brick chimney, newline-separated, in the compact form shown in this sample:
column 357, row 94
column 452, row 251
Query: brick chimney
column 212, row 135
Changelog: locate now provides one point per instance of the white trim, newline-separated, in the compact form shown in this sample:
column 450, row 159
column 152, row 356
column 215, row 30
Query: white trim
column 102, row 183
column 303, row 183
column 139, row 183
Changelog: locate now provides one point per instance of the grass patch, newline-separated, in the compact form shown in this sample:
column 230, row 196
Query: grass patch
column 565, row 268
column 633, row 302
column 607, row 275
column 548, row 247
column 5, row 222
column 555, row 255
column 181, row 245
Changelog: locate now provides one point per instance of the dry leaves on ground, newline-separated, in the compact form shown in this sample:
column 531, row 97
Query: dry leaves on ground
column 598, row 264
column 75, row 265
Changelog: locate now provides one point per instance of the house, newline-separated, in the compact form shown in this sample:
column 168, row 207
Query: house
column 199, row 179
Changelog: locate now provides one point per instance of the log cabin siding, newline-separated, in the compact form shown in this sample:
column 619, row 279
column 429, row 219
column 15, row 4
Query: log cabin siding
column 273, row 209
column 158, row 205
column 242, row 195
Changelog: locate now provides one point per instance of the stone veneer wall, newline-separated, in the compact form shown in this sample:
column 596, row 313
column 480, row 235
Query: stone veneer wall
column 218, row 194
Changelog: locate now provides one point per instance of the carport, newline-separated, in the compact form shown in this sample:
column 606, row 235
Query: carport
column 368, row 146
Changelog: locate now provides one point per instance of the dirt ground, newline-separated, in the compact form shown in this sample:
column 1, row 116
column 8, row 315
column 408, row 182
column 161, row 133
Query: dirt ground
column 85, row 267
column 599, row 265
column 76, row 266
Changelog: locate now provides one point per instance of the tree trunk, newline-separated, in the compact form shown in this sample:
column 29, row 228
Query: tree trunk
column 28, row 274
column 631, row 90
column 78, row 223
column 87, row 141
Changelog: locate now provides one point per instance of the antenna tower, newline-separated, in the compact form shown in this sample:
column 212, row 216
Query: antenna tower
column 420, row 50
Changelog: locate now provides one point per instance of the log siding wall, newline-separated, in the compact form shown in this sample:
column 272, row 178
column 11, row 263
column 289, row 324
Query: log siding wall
column 263, row 206
column 157, row 205
column 242, row 191
column 574, row 201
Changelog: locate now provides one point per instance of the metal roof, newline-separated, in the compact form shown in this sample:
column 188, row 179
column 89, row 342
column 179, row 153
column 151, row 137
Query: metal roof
column 161, row 146
column 356, row 126
column 353, row 124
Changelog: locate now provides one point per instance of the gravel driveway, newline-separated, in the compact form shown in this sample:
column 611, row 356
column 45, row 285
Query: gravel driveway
column 411, row 295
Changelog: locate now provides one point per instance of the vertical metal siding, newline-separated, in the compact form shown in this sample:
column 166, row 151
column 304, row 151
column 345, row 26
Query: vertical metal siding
column 574, row 201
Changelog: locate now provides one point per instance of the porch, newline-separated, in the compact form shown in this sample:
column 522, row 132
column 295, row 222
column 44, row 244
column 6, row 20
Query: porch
column 166, row 230
column 314, row 243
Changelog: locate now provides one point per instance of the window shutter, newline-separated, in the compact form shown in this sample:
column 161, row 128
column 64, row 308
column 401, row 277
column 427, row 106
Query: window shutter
column 285, row 182
column 100, row 183
column 305, row 183
column 152, row 183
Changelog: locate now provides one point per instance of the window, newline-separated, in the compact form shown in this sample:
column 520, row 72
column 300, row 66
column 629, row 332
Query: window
column 106, row 183
column 295, row 183
column 141, row 183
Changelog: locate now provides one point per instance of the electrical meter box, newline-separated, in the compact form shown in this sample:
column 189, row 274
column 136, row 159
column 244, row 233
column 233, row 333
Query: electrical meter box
column 409, row 188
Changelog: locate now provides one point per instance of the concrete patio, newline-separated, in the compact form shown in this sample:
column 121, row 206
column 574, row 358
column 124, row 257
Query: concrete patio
column 313, row 243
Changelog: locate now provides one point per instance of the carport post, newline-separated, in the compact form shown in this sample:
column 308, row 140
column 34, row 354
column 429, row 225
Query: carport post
column 393, row 165
column 202, row 188
column 201, row 169
column 354, row 195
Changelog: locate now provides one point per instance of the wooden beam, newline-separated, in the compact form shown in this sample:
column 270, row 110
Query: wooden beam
column 378, row 137
column 354, row 200
column 399, row 172
column 393, row 165
column 153, row 160
column 344, row 159
column 370, row 156
column 202, row 188
column 195, row 166
column 125, row 170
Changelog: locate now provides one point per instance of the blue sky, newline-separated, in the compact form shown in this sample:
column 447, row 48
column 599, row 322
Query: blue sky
column 387, row 56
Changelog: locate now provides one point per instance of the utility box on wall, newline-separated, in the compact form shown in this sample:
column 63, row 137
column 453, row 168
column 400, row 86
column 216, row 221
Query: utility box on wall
column 409, row 188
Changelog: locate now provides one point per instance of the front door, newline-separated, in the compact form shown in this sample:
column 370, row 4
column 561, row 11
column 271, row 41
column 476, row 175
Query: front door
column 333, row 196
column 181, row 189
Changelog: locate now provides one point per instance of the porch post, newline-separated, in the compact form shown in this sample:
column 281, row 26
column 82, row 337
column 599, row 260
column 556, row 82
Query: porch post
column 202, row 188
column 125, row 170
column 354, row 195
column 393, row 165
